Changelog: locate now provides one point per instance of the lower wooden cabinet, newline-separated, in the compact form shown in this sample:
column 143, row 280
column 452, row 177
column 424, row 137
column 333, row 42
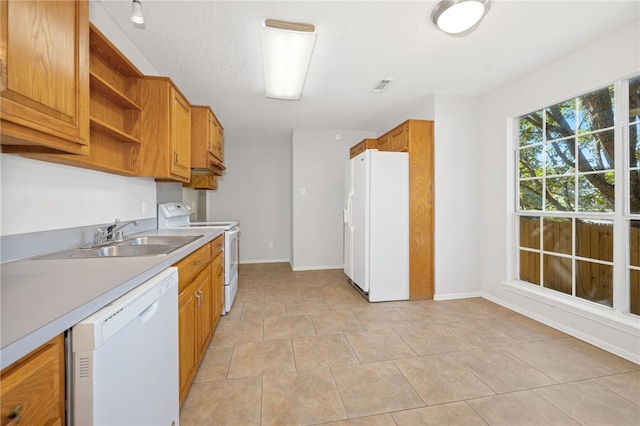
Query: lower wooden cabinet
column 217, row 281
column 33, row 389
column 200, row 300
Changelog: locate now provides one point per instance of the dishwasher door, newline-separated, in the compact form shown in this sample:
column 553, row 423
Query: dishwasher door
column 125, row 358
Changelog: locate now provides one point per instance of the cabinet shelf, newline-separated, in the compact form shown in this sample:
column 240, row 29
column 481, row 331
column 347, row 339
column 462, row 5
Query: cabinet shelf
column 111, row 93
column 105, row 128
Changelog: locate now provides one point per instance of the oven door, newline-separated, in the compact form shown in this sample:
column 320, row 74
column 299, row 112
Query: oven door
column 231, row 254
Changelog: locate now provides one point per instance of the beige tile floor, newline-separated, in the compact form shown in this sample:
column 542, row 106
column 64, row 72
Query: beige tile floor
column 304, row 348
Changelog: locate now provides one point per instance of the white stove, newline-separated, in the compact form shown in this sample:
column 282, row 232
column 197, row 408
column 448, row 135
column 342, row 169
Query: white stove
column 175, row 215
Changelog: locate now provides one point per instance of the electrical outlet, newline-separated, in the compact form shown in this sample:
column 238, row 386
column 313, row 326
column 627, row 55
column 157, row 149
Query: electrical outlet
column 144, row 207
column 270, row 244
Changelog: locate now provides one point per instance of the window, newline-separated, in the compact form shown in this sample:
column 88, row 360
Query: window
column 634, row 195
column 568, row 170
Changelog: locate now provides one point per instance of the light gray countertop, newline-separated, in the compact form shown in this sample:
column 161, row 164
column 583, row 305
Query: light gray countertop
column 40, row 299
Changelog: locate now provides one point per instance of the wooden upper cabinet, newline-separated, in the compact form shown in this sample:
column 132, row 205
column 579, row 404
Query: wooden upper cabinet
column 165, row 149
column 180, row 140
column 384, row 143
column 44, row 80
column 399, row 138
column 362, row 146
column 206, row 142
column 114, row 112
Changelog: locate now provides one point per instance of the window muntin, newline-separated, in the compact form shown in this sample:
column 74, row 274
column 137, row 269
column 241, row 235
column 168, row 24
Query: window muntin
column 566, row 204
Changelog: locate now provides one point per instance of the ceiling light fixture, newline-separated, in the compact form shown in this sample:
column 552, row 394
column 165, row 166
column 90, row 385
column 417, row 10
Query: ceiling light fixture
column 136, row 12
column 287, row 48
column 459, row 16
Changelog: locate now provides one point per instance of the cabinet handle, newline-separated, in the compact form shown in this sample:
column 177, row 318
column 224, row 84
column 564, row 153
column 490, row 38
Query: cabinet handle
column 15, row 414
column 198, row 297
column 197, row 262
column 175, row 158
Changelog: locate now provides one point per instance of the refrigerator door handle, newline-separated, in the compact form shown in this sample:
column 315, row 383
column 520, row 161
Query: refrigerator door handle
column 349, row 212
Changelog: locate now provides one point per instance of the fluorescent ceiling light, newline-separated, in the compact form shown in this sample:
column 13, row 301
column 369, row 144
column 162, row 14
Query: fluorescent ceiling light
column 287, row 48
column 458, row 16
column 136, row 12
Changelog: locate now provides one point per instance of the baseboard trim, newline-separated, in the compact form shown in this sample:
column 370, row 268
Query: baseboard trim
column 452, row 296
column 574, row 312
column 244, row 262
column 316, row 268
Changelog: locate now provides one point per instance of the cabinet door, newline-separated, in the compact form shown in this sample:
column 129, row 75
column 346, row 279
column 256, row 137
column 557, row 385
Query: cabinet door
column 217, row 278
column 217, row 138
column 44, row 76
column 36, row 384
column 384, row 143
column 180, row 142
column 400, row 139
column 203, row 311
column 213, row 137
column 187, row 338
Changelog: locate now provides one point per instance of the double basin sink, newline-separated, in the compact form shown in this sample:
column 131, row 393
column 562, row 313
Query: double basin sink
column 155, row 245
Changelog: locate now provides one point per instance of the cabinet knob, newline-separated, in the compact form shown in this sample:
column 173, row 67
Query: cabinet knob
column 15, row 414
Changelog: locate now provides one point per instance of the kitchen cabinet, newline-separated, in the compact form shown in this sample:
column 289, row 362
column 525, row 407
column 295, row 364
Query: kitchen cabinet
column 200, row 302
column 34, row 387
column 206, row 149
column 202, row 181
column 362, row 146
column 399, row 138
column 201, row 288
column 384, row 143
column 217, row 279
column 186, row 339
column 194, row 281
column 114, row 112
column 418, row 137
column 44, row 76
column 165, row 150
column 207, row 139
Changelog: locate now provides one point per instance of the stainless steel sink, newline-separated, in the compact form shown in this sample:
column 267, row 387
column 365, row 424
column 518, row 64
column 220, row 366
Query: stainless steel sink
column 159, row 240
column 139, row 246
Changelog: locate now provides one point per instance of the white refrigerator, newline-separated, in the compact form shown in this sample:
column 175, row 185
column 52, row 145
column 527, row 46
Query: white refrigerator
column 376, row 224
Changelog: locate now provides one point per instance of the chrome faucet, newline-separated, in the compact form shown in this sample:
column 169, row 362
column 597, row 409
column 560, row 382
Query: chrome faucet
column 106, row 235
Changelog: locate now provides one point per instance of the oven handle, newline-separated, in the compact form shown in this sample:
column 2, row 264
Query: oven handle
column 233, row 231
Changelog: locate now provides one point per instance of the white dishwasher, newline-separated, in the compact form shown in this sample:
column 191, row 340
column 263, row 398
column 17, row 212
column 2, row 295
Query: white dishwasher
column 125, row 358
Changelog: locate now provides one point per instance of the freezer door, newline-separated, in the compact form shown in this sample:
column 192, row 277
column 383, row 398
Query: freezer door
column 347, row 212
column 360, row 221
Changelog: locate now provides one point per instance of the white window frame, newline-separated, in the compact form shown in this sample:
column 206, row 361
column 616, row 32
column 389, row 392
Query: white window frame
column 621, row 215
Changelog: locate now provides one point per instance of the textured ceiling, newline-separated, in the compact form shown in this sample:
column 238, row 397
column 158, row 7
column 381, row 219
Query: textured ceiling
column 213, row 51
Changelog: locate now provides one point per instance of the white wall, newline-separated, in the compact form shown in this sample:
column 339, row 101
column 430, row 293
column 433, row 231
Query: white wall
column 318, row 160
column 255, row 191
column 593, row 66
column 457, row 222
column 39, row 196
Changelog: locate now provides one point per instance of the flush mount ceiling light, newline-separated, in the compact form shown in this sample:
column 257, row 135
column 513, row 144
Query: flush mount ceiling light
column 459, row 16
column 136, row 12
column 287, row 48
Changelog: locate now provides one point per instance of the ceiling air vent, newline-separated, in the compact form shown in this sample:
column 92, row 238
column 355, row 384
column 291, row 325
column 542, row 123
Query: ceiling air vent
column 381, row 85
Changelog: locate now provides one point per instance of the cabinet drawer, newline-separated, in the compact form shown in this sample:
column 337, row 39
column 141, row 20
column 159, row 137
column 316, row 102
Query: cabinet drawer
column 189, row 267
column 37, row 384
column 217, row 246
